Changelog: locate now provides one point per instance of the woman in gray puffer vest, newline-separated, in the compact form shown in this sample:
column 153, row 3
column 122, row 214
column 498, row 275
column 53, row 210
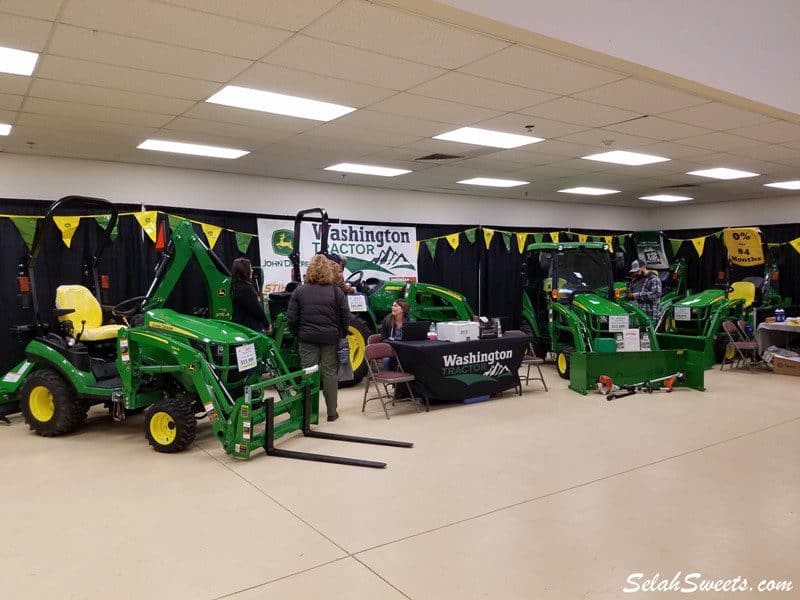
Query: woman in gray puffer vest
column 319, row 316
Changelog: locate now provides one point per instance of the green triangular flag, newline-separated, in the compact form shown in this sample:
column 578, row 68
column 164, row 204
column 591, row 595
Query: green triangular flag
column 26, row 227
column 103, row 220
column 431, row 244
column 470, row 235
column 621, row 242
column 243, row 241
column 676, row 244
column 174, row 221
column 507, row 240
column 718, row 234
column 537, row 237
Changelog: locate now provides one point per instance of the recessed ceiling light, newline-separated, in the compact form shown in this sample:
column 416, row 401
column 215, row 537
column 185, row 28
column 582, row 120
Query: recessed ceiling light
column 367, row 170
column 17, row 62
column 589, row 191
column 487, row 137
column 488, row 181
column 5, row 129
column 665, row 198
column 723, row 173
column 279, row 104
column 786, row 185
column 195, row 149
column 623, row 157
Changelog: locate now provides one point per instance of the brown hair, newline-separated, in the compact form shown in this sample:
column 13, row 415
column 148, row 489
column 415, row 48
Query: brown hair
column 240, row 270
column 388, row 320
column 319, row 270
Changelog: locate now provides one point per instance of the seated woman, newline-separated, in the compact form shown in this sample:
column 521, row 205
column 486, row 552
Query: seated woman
column 392, row 327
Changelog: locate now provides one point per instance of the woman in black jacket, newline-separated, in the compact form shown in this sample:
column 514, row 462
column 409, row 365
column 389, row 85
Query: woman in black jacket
column 247, row 308
column 319, row 316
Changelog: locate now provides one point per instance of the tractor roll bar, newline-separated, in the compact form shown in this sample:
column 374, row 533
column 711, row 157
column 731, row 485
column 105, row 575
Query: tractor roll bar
column 294, row 257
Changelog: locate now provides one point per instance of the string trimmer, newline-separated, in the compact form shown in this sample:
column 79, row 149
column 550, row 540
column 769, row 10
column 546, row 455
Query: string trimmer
column 612, row 391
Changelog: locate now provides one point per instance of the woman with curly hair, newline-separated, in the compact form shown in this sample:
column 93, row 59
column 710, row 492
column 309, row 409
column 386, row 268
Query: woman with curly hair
column 319, row 316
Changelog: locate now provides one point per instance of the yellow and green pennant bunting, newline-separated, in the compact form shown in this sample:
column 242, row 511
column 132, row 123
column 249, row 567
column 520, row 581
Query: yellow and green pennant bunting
column 609, row 239
column 470, row 235
column 26, row 227
column 538, row 237
column 795, row 243
column 148, row 221
column 243, row 241
column 554, row 236
column 621, row 241
column 699, row 244
column 521, row 239
column 507, row 240
column 212, row 233
column 67, row 226
column 488, row 234
column 453, row 239
column 174, row 221
column 582, row 237
column 102, row 221
column 676, row 244
column 418, row 242
column 431, row 244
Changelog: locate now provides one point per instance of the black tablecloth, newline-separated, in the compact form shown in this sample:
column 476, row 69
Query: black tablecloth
column 454, row 371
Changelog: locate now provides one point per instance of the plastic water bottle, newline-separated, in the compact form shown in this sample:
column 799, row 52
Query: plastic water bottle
column 780, row 315
column 498, row 327
column 432, row 332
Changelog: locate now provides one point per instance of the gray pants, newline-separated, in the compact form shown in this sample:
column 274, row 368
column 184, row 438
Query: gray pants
column 326, row 357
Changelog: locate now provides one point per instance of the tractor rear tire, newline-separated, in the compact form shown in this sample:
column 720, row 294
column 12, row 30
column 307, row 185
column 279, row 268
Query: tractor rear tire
column 170, row 425
column 562, row 363
column 357, row 335
column 50, row 405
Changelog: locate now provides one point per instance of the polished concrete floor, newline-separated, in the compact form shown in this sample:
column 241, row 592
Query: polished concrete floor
column 547, row 495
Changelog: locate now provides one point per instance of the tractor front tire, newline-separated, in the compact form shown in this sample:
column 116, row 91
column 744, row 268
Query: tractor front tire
column 562, row 363
column 170, row 425
column 357, row 335
column 49, row 404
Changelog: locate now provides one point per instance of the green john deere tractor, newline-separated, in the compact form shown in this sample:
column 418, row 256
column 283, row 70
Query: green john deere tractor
column 369, row 304
column 178, row 367
column 571, row 308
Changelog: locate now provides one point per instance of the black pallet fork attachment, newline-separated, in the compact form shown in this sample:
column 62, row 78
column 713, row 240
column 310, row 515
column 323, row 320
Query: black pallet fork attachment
column 270, row 449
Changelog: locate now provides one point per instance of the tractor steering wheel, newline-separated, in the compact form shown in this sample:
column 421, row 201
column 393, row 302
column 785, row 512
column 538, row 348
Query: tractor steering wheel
column 121, row 310
column 354, row 279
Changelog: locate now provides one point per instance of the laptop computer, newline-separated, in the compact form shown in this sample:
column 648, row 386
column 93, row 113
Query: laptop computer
column 416, row 331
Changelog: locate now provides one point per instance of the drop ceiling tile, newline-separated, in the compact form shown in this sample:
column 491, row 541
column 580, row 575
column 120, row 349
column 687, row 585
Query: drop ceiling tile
column 570, row 110
column 731, row 161
column 249, row 118
column 546, row 172
column 38, row 9
column 477, row 91
column 560, row 148
column 272, row 78
column 207, row 139
column 405, row 155
column 251, row 135
column 310, row 140
column 100, row 128
column 718, row 141
column 88, row 112
column 487, row 164
column 716, row 116
column 426, row 147
column 379, row 121
column 347, row 134
column 671, row 150
column 543, row 128
column 401, row 34
column 7, row 117
column 539, row 70
column 292, row 16
column 658, row 129
column 78, row 137
column 86, row 94
column 121, row 78
column 410, row 105
column 13, row 84
column 353, row 64
column 606, row 140
column 141, row 54
column 775, row 132
column 770, row 153
column 521, row 156
column 640, row 96
column 24, row 33
column 10, row 102
column 173, row 25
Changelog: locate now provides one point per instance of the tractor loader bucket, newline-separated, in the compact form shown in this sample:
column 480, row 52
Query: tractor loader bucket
column 627, row 368
column 704, row 346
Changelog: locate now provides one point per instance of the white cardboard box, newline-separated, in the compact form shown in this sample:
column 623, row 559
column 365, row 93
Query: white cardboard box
column 458, row 331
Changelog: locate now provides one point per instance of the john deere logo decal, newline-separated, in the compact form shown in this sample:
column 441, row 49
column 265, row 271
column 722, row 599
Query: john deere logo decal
column 282, row 240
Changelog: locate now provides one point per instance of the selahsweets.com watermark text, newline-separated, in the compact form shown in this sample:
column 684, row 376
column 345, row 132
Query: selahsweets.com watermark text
column 693, row 582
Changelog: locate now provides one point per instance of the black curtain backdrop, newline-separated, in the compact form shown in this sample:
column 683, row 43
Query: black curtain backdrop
column 489, row 278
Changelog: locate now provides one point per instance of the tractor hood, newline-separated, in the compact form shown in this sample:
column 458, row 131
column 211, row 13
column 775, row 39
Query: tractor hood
column 702, row 299
column 597, row 305
column 198, row 328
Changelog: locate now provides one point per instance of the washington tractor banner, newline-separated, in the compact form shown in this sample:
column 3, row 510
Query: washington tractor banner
column 380, row 251
column 650, row 248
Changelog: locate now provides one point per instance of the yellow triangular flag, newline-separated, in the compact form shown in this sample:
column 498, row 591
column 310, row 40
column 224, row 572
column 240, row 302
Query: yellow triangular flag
column 212, row 233
column 554, row 236
column 521, row 239
column 67, row 225
column 610, row 241
column 148, row 221
column 795, row 243
column 582, row 237
column 417, row 247
column 488, row 234
column 699, row 244
column 452, row 239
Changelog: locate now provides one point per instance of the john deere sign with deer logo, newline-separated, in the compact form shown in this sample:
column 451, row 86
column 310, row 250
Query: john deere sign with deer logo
column 282, row 242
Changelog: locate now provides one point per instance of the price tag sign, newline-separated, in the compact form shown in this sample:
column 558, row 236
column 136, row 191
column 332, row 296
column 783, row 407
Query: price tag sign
column 630, row 340
column 683, row 313
column 357, row 302
column 618, row 322
column 246, row 357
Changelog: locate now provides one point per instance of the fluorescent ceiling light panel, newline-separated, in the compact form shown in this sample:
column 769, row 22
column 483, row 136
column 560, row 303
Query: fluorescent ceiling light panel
column 487, row 137
column 665, row 198
column 723, row 173
column 786, row 185
column 17, row 62
column 5, row 129
column 279, row 104
column 194, row 149
column 589, row 191
column 488, row 181
column 367, row 170
column 623, row 157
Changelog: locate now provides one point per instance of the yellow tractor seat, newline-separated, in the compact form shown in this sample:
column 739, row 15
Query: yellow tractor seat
column 743, row 290
column 85, row 308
